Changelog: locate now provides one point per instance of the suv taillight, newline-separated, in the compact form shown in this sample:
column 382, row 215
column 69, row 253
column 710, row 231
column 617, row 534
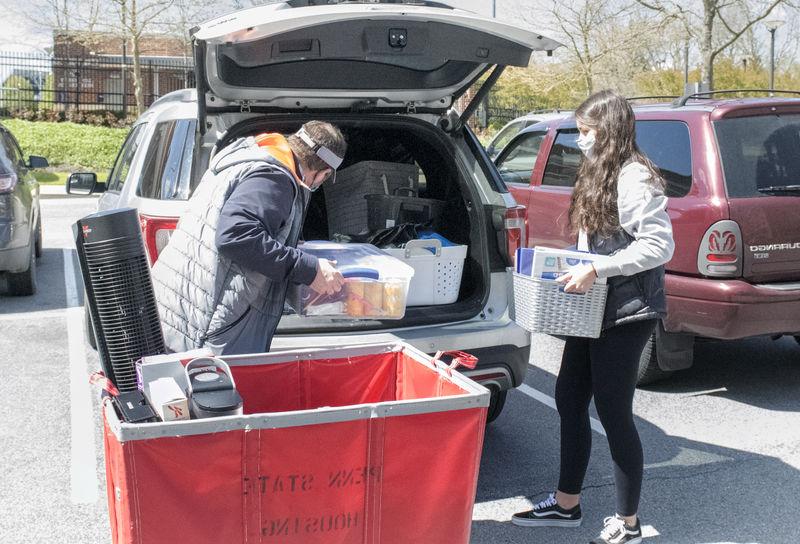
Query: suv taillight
column 720, row 253
column 7, row 182
column 516, row 235
column 156, row 232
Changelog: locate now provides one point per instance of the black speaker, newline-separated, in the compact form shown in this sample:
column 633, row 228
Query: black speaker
column 119, row 292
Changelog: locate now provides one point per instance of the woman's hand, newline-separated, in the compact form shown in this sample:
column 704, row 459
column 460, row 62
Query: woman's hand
column 578, row 280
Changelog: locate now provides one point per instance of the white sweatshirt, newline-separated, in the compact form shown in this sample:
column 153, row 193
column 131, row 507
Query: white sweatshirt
column 643, row 215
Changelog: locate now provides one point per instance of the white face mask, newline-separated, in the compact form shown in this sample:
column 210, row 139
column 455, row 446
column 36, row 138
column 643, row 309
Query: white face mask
column 586, row 143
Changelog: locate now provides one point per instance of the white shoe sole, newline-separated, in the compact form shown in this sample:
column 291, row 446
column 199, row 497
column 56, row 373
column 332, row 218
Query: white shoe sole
column 634, row 541
column 547, row 522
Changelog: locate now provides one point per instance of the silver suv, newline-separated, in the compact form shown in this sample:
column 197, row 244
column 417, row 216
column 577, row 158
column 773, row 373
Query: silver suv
column 387, row 75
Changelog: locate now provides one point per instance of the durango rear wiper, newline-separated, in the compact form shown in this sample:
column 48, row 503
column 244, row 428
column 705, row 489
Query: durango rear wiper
column 780, row 189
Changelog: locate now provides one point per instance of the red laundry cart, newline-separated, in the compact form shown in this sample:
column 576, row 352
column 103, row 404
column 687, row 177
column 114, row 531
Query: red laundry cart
column 375, row 444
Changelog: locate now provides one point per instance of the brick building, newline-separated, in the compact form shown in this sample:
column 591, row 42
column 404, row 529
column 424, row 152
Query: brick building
column 90, row 70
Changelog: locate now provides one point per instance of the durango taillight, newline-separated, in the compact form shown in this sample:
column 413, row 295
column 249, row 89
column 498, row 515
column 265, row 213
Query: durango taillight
column 516, row 233
column 156, row 232
column 720, row 253
column 7, row 182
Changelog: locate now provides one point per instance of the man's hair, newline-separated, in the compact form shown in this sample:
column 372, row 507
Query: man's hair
column 324, row 134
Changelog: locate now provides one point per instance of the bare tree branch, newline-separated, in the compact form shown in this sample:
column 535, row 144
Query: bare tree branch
column 703, row 26
column 737, row 34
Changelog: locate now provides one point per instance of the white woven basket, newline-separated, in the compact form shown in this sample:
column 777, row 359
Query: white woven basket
column 541, row 306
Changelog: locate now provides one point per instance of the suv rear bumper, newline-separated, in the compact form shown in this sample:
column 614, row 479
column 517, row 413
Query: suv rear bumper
column 730, row 309
column 501, row 346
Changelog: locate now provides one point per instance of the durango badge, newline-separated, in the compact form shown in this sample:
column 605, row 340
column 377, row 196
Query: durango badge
column 775, row 247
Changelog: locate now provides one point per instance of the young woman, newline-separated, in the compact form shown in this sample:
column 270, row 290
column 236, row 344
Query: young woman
column 618, row 210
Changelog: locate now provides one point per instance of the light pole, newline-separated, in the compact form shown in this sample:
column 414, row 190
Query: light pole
column 773, row 21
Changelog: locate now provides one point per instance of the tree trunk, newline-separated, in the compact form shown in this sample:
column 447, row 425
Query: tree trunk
column 707, row 47
column 137, row 77
column 588, row 66
column 137, row 61
column 589, row 81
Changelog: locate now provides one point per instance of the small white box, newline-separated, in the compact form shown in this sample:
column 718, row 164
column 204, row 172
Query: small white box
column 168, row 400
column 549, row 263
column 169, row 365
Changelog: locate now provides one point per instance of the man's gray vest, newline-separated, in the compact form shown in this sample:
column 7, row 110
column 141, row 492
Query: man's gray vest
column 204, row 297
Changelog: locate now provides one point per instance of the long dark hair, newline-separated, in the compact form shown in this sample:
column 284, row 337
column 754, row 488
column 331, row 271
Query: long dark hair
column 594, row 200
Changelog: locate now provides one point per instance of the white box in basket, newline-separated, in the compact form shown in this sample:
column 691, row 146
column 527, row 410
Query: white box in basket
column 549, row 263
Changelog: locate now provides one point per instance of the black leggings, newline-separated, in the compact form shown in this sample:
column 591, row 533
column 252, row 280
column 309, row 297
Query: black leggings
column 605, row 367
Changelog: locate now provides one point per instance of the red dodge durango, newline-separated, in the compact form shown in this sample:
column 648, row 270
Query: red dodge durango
column 733, row 177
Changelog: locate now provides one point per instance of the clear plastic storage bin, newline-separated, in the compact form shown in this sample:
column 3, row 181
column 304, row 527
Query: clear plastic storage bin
column 376, row 284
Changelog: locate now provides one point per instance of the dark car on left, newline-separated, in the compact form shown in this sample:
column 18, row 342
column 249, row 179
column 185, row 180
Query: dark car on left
column 20, row 216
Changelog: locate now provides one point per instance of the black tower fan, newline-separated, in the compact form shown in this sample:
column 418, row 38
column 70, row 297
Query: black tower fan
column 119, row 292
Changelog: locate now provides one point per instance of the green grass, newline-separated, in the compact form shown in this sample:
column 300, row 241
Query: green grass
column 51, row 178
column 69, row 146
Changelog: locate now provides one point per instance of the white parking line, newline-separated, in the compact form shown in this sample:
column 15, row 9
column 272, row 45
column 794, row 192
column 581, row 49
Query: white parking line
column 551, row 402
column 34, row 316
column 83, row 468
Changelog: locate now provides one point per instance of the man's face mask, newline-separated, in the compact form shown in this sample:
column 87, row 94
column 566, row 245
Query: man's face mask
column 314, row 187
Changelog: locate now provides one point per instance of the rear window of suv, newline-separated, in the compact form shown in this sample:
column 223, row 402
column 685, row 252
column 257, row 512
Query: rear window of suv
column 666, row 143
column 759, row 152
column 166, row 174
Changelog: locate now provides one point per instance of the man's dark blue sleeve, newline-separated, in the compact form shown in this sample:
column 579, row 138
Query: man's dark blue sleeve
column 249, row 222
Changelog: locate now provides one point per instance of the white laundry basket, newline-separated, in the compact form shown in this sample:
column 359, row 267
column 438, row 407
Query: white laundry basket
column 437, row 271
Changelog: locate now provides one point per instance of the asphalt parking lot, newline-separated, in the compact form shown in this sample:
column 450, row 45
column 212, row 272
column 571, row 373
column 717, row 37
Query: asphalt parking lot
column 721, row 440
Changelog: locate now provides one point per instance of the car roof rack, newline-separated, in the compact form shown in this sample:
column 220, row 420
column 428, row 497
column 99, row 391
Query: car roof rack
column 306, row 3
column 548, row 110
column 707, row 94
column 657, row 96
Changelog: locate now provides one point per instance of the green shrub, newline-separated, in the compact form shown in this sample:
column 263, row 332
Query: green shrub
column 17, row 92
column 69, row 145
column 46, row 112
column 47, row 98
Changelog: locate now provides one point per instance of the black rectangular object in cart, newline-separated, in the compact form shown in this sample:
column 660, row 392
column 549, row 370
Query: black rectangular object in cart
column 119, row 292
column 133, row 407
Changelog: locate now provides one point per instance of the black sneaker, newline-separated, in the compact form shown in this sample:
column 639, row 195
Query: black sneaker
column 616, row 531
column 549, row 514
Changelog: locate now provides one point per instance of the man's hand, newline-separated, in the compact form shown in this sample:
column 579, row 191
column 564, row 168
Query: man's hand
column 328, row 280
column 578, row 280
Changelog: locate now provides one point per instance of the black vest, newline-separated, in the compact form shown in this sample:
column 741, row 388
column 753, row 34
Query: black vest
column 630, row 298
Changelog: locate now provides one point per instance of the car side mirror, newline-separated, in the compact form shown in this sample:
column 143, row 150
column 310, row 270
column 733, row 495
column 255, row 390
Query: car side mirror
column 83, row 183
column 34, row 161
